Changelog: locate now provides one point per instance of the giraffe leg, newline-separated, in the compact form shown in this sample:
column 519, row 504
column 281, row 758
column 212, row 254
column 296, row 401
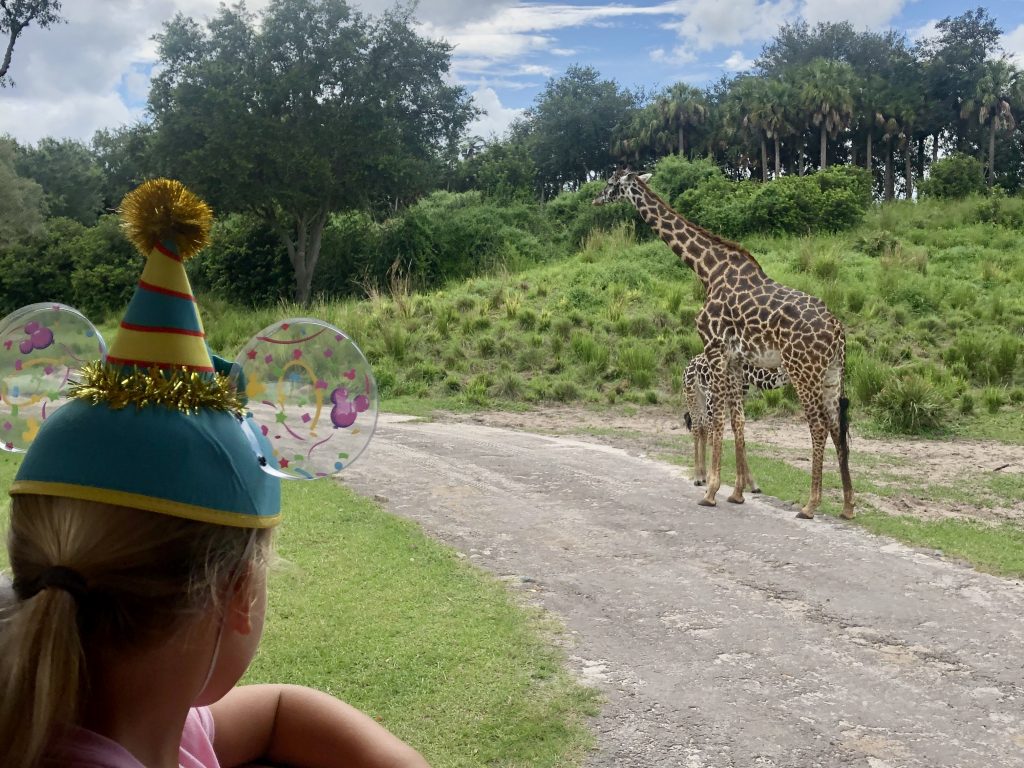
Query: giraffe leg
column 738, row 421
column 700, row 447
column 837, row 418
column 715, row 475
column 819, row 432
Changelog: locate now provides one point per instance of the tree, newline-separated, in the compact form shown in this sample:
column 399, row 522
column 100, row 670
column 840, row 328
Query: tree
column 954, row 61
column 125, row 156
column 680, row 107
column 22, row 207
column 989, row 103
column 571, row 124
column 69, row 175
column 317, row 109
column 16, row 15
column 827, row 88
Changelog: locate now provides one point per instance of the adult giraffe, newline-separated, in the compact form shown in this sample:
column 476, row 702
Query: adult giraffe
column 749, row 318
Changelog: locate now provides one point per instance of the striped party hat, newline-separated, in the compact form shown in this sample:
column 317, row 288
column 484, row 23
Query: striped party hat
column 157, row 426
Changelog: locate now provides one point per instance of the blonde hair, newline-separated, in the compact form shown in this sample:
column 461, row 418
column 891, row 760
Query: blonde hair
column 145, row 575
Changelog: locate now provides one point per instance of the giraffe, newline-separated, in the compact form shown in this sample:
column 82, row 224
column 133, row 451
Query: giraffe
column 698, row 418
column 749, row 318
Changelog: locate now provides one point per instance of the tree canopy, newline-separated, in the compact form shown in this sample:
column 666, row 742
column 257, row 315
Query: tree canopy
column 312, row 108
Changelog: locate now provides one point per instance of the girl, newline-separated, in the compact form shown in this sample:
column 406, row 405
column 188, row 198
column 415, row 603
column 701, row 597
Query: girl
column 139, row 535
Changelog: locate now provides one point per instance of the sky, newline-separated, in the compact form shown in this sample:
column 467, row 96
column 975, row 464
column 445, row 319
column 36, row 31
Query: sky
column 93, row 72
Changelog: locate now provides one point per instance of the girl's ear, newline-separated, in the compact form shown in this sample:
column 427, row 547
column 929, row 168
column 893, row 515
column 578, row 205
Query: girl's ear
column 242, row 600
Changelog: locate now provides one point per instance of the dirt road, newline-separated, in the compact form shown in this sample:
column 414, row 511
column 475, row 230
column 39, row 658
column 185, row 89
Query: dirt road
column 727, row 637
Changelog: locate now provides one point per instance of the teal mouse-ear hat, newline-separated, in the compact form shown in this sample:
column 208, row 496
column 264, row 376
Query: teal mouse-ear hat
column 157, row 425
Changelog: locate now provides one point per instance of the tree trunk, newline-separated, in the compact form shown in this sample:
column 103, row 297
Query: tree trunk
column 682, row 142
column 304, row 250
column 889, row 182
column 935, row 147
column 764, row 159
column 867, row 161
column 778, row 163
column 908, row 174
column 824, row 145
column 992, row 153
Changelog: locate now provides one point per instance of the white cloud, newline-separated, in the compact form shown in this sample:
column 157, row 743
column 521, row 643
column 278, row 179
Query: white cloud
column 1013, row 44
column 875, row 14
column 737, row 62
column 76, row 117
column 658, row 54
column 707, row 24
column 926, row 30
column 496, row 118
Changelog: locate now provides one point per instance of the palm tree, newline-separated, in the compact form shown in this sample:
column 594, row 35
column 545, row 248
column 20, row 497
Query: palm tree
column 682, row 106
column 990, row 103
column 778, row 121
column 892, row 134
column 749, row 107
column 827, row 88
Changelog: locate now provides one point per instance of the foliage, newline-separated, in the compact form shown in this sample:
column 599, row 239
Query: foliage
column 39, row 269
column 106, row 271
column 502, row 170
column 673, row 175
column 311, row 110
column 956, row 176
column 15, row 17
column 576, row 215
column 244, row 263
column 912, row 405
column 69, row 175
column 570, row 127
column 22, row 200
column 125, row 157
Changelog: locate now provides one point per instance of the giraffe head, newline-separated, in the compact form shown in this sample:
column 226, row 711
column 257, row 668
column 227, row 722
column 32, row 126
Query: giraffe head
column 618, row 184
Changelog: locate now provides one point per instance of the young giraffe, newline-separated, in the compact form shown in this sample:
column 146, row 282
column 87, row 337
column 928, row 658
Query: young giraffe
column 749, row 318
column 701, row 405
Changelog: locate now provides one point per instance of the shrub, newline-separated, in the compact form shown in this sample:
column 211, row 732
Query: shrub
column 575, row 215
column 673, row 175
column 39, row 269
column 994, row 398
column 637, row 364
column 955, row 176
column 912, row 405
column 245, row 263
column 106, row 270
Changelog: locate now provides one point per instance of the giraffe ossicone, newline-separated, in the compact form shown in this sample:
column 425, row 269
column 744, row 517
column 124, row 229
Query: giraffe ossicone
column 748, row 318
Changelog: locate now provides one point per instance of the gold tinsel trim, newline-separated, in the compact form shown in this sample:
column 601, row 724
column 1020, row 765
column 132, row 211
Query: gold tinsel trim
column 188, row 391
column 162, row 209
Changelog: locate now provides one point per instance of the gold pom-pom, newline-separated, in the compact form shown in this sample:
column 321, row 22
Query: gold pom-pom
column 161, row 210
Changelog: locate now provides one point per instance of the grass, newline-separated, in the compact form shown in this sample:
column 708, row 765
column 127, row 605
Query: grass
column 365, row 607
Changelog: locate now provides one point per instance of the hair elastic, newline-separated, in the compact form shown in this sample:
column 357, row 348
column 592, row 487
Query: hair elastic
column 56, row 576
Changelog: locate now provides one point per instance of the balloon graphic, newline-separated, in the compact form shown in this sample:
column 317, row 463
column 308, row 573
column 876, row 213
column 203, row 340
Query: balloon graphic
column 312, row 399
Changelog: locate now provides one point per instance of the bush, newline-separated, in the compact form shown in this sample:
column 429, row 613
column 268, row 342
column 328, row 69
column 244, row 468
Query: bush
column 956, row 176
column 673, row 175
column 107, row 269
column 245, row 263
column 40, row 268
column 912, row 405
column 575, row 215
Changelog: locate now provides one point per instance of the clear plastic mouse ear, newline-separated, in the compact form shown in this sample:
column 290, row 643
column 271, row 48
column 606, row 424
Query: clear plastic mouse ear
column 312, row 399
column 42, row 346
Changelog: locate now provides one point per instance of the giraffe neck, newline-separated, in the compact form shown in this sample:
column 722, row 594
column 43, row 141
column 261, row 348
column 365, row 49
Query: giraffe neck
column 689, row 242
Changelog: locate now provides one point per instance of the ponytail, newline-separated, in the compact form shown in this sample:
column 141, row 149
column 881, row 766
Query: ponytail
column 41, row 666
column 94, row 579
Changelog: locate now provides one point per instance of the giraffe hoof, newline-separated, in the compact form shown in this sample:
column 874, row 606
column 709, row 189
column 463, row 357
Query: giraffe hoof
column 700, row 482
column 847, row 514
column 736, row 499
column 756, row 489
column 803, row 515
column 706, row 503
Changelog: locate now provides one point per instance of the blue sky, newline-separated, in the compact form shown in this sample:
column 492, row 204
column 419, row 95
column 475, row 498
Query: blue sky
column 93, row 72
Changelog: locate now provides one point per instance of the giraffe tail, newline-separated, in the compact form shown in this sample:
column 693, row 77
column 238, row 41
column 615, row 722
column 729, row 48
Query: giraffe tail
column 688, row 421
column 844, row 423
